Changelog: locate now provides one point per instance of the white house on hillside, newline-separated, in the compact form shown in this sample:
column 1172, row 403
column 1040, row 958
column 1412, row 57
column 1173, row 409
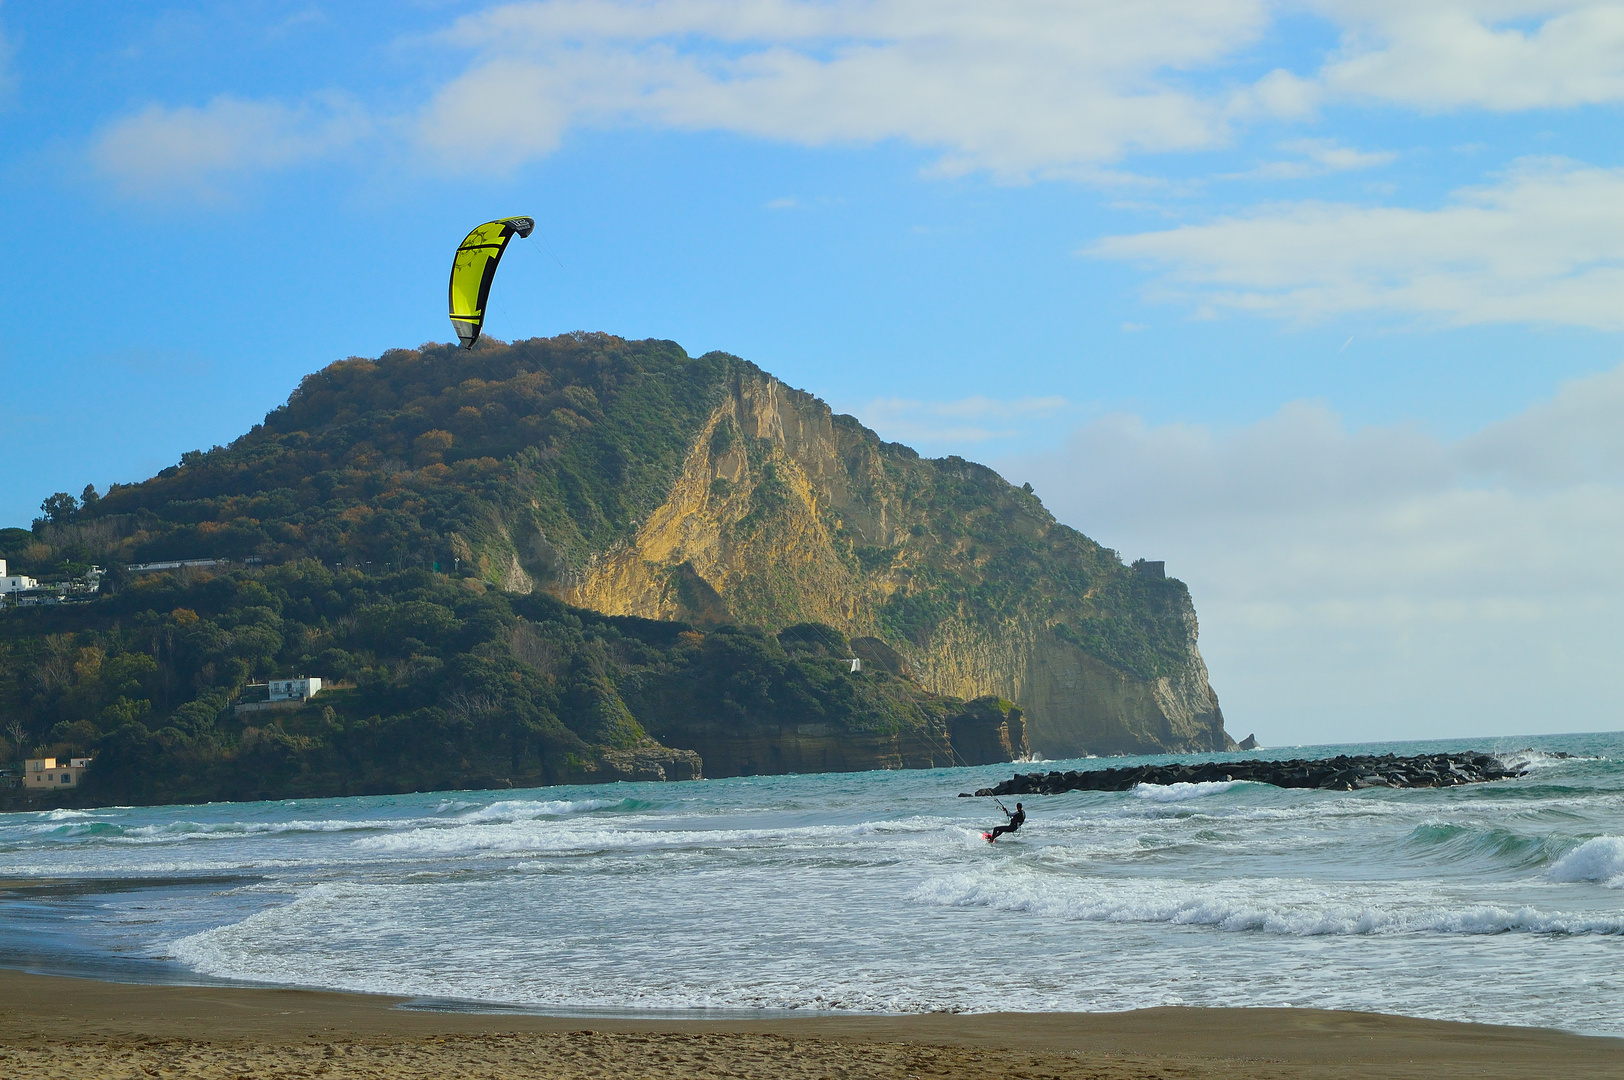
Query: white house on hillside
column 15, row 582
column 293, row 689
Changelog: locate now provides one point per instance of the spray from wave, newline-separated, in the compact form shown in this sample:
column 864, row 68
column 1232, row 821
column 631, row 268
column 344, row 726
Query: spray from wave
column 1182, row 792
column 1600, row 860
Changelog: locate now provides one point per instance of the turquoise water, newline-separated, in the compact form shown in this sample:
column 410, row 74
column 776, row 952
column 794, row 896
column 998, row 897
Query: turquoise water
column 1499, row 903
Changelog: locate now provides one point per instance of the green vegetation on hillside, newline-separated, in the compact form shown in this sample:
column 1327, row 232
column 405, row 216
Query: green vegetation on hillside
column 986, row 551
column 541, row 454
column 441, row 683
column 415, row 458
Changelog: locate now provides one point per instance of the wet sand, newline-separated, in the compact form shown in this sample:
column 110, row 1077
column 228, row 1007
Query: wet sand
column 55, row 1028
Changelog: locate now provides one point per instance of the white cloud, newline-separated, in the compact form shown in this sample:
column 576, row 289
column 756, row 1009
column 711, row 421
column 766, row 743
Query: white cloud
column 1042, row 87
column 1575, row 438
column 1039, row 88
column 1315, row 157
column 1379, row 582
column 1279, row 93
column 1544, row 245
column 193, row 149
column 971, row 419
column 1503, row 55
column 502, row 113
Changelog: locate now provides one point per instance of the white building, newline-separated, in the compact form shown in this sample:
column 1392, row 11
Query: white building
column 15, row 582
column 177, row 564
column 293, row 689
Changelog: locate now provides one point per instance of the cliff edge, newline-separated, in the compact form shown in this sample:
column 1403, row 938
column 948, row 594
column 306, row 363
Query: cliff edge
column 784, row 512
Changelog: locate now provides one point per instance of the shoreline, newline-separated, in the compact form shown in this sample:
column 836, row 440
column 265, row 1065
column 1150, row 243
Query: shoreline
column 20, row 801
column 74, row 1028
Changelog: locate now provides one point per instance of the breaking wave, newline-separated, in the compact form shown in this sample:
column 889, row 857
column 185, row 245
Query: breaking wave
column 1600, row 860
column 1537, row 760
column 535, row 836
column 1492, row 844
column 73, row 825
column 1296, row 909
column 1182, row 792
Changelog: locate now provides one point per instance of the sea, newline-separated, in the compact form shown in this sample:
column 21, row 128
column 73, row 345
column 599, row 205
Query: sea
column 868, row 893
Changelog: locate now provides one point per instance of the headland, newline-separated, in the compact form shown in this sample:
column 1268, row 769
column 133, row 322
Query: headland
column 569, row 560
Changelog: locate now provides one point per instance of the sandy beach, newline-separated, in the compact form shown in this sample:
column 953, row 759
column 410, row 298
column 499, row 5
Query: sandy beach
column 76, row 1029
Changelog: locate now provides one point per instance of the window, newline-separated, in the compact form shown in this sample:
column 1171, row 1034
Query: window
column 67, row 778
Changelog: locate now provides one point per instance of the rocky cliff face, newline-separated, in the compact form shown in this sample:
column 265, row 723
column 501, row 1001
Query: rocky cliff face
column 784, row 513
column 981, row 732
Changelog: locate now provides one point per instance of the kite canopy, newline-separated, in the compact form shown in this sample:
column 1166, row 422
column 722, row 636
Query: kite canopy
column 473, row 270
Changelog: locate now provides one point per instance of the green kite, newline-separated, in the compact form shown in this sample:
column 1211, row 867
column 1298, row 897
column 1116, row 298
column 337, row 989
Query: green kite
column 473, row 270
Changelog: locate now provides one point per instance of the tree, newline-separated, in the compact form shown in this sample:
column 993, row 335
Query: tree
column 19, row 736
column 59, row 509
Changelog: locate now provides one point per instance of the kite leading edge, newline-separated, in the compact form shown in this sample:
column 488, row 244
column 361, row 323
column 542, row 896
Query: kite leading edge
column 474, row 268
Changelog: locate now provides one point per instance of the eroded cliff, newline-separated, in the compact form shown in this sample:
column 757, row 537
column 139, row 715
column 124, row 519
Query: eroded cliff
column 784, row 513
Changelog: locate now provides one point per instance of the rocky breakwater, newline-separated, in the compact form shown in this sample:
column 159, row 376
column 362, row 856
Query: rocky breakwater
column 1341, row 773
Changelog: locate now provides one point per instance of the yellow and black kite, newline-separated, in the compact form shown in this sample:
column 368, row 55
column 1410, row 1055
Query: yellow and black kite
column 473, row 270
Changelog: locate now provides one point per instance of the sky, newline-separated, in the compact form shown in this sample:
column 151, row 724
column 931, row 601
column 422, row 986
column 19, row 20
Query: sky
column 1318, row 301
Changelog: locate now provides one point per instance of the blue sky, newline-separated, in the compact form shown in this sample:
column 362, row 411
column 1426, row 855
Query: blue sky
column 1319, row 301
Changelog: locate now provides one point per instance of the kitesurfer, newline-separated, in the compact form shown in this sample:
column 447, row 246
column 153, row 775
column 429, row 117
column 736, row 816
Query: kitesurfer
column 1016, row 820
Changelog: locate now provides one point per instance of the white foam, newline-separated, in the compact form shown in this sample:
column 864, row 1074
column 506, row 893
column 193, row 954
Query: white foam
column 79, row 825
column 176, row 831
column 1182, row 792
column 1536, row 760
column 313, row 941
column 1270, row 906
column 1600, row 859
column 523, row 810
column 542, row 836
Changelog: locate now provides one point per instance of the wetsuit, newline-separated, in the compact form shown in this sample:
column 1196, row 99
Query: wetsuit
column 1016, row 820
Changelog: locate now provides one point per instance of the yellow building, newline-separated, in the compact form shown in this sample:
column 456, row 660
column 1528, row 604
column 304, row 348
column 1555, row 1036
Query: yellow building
column 46, row 772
